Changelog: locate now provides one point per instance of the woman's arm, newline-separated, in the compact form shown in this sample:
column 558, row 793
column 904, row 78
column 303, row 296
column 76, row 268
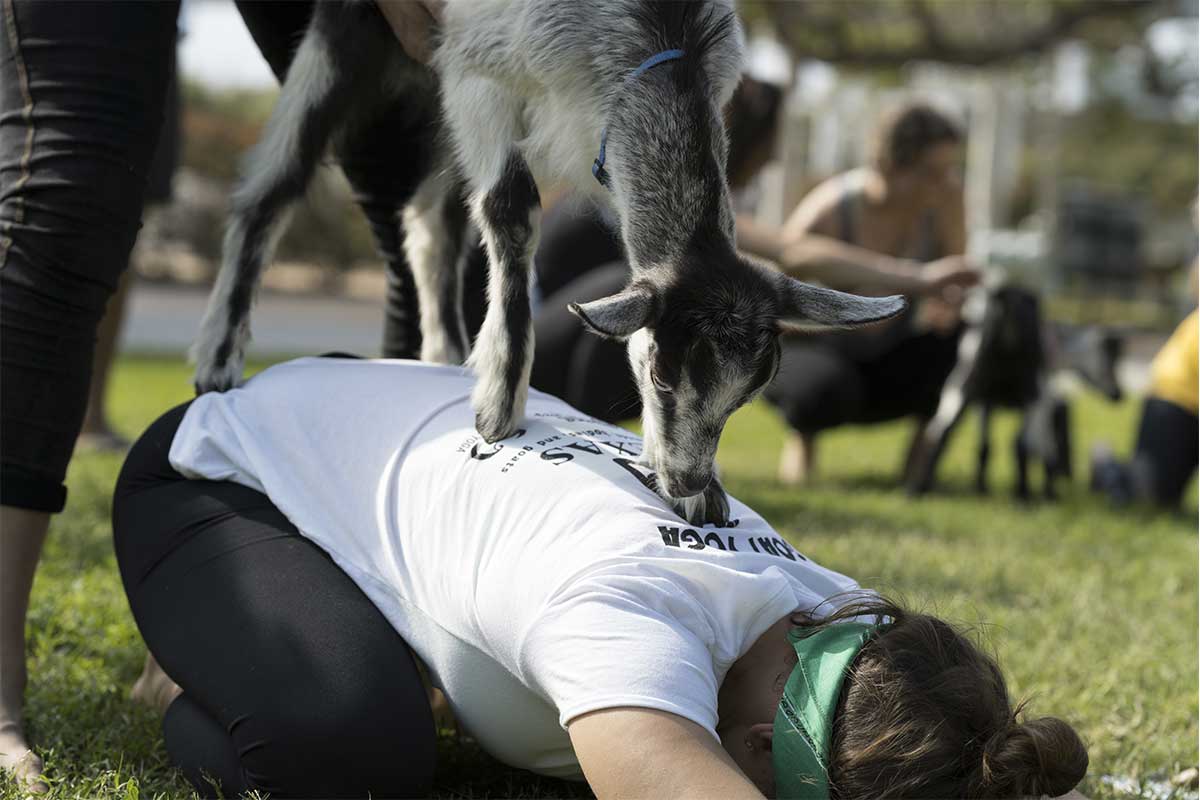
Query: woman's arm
column 640, row 752
column 851, row 268
column 807, row 247
column 817, row 257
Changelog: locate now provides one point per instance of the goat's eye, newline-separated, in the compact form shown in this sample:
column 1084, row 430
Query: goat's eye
column 658, row 382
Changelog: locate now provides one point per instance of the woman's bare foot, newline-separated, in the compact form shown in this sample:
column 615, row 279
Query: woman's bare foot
column 19, row 761
column 21, row 535
column 443, row 717
column 154, row 688
column 796, row 461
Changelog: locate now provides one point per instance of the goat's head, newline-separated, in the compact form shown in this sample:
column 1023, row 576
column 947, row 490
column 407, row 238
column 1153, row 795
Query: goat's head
column 1094, row 354
column 703, row 342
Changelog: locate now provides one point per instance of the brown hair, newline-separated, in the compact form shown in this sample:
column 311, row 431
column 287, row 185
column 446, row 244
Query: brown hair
column 907, row 133
column 925, row 713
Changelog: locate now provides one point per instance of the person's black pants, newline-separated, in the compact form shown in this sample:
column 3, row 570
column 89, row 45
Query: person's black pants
column 1165, row 456
column 82, row 93
column 822, row 384
column 293, row 682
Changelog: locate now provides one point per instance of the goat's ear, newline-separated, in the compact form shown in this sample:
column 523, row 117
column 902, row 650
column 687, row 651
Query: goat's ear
column 617, row 316
column 805, row 307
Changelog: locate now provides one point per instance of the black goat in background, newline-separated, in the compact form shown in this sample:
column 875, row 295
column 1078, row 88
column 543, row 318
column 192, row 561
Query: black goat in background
column 1006, row 359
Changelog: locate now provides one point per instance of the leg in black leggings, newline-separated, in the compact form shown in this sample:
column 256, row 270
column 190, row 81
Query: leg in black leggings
column 293, row 682
column 1165, row 456
column 817, row 387
column 82, row 89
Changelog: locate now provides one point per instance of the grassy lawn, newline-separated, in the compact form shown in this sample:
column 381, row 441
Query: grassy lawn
column 1093, row 612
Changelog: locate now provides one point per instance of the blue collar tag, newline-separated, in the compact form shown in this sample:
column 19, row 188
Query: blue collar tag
column 650, row 63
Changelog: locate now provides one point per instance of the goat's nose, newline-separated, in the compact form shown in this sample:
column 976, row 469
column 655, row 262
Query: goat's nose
column 693, row 483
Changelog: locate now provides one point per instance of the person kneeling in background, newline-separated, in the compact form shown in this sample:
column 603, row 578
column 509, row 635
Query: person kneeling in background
column 1165, row 456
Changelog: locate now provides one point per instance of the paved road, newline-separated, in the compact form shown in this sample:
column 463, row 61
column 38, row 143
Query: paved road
column 166, row 318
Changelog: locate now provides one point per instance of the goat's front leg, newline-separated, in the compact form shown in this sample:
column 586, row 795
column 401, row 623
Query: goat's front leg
column 985, row 448
column 937, row 432
column 1021, row 447
column 311, row 103
column 951, row 404
column 507, row 214
column 1059, row 463
column 1027, row 440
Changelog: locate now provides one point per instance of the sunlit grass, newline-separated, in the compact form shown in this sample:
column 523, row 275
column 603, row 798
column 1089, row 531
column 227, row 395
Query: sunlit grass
column 1093, row 612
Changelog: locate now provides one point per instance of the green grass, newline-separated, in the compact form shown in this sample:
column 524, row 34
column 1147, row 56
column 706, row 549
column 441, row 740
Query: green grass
column 1092, row 612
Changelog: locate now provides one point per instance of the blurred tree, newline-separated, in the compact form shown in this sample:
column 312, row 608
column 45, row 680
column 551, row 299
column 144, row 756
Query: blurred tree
column 220, row 125
column 854, row 33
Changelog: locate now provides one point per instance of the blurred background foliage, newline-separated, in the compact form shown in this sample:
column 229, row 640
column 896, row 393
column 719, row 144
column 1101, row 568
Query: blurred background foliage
column 1133, row 131
column 891, row 33
column 219, row 128
column 1132, row 139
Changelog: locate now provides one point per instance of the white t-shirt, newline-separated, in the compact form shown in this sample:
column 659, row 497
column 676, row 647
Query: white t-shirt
column 538, row 578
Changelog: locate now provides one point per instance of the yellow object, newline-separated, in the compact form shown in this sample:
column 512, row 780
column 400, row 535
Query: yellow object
column 1173, row 373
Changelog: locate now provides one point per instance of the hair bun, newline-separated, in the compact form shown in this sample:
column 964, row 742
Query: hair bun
column 1040, row 757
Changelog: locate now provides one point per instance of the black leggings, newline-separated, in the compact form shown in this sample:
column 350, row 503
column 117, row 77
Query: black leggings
column 825, row 381
column 82, row 94
column 1164, row 458
column 293, row 682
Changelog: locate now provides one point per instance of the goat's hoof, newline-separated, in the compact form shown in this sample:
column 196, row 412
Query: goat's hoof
column 710, row 507
column 716, row 504
column 218, row 377
column 494, row 427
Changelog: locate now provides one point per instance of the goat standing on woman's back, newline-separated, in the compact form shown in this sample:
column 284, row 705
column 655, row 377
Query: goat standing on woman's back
column 526, row 89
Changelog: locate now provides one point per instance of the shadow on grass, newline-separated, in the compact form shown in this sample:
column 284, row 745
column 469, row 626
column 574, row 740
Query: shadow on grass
column 464, row 770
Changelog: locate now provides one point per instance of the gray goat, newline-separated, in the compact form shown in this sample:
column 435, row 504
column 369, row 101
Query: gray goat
column 518, row 95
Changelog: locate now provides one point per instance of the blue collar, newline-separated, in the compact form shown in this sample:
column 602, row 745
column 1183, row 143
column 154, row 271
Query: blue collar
column 647, row 65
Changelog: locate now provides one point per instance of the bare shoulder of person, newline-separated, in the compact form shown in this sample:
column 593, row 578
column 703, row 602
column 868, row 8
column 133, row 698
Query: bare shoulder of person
column 817, row 211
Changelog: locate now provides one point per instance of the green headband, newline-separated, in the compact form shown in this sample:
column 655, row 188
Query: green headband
column 804, row 721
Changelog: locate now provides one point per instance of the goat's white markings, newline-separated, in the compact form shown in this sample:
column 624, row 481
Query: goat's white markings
column 432, row 255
